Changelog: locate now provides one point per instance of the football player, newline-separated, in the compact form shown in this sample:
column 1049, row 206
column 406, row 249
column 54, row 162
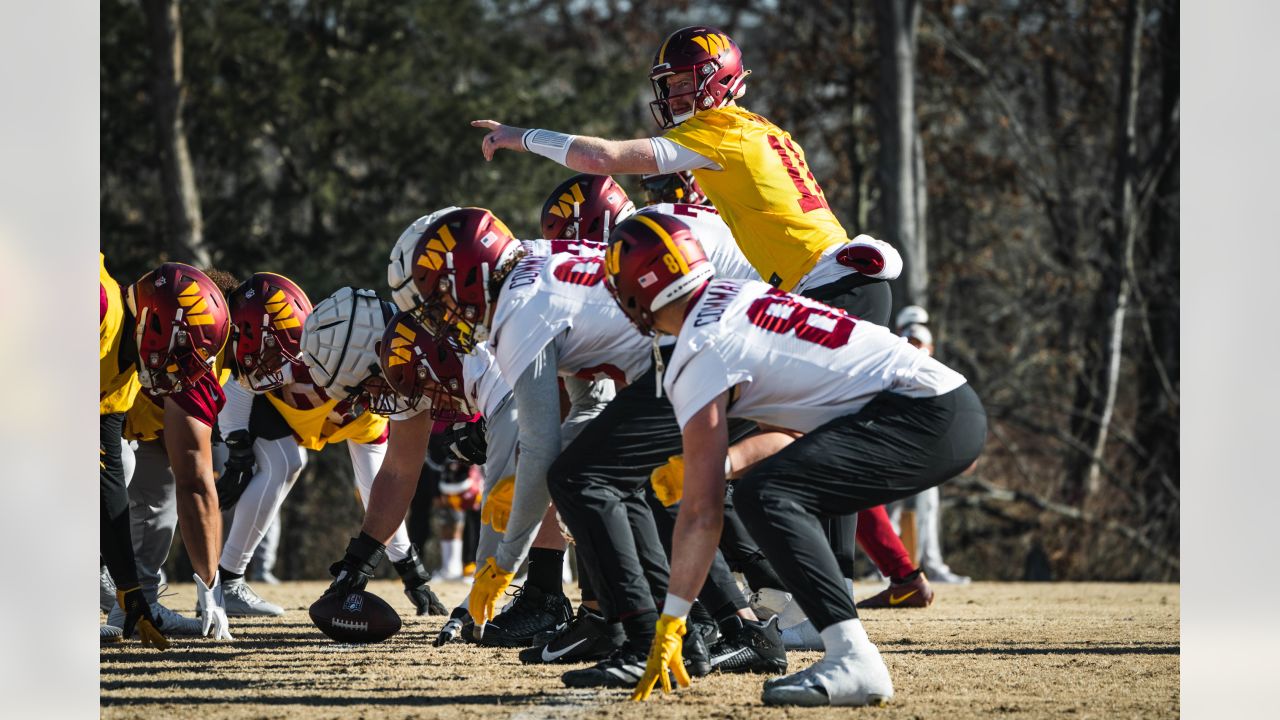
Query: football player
column 881, row 421
column 177, row 318
column 452, row 388
column 754, row 173
column 340, row 350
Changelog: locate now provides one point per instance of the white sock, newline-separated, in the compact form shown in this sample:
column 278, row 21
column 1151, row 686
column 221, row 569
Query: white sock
column 845, row 639
column 451, row 557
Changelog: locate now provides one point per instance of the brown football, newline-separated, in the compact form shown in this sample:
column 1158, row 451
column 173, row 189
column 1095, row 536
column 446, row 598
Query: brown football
column 357, row 617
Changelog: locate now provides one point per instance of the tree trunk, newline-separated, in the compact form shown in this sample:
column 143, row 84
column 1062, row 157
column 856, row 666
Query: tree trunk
column 182, row 200
column 901, row 158
column 1114, row 293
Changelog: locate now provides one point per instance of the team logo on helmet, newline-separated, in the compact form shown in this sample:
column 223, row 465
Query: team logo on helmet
column 713, row 43
column 281, row 311
column 432, row 257
column 401, row 350
column 193, row 304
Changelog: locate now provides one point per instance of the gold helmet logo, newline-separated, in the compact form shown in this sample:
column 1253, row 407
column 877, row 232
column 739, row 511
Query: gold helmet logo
column 432, row 257
column 195, row 306
column 714, row 44
column 281, row 311
column 400, row 346
column 564, row 204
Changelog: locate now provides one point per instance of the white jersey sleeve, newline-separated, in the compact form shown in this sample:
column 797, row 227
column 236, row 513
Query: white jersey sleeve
column 714, row 235
column 672, row 158
column 562, row 297
column 482, row 381
column 798, row 363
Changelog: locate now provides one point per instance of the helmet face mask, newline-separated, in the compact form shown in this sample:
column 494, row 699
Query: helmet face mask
column 417, row 363
column 678, row 187
column 458, row 262
column 180, row 326
column 715, row 62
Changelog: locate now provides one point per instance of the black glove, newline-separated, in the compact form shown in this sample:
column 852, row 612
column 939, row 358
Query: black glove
column 355, row 569
column 415, row 578
column 137, row 616
column 467, row 441
column 238, row 470
column 458, row 621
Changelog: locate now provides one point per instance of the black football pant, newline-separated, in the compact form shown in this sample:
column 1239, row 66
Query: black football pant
column 600, row 485
column 113, row 525
column 892, row 448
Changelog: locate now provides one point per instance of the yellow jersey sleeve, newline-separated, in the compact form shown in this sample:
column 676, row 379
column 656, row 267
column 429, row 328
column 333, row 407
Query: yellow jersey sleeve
column 117, row 375
column 315, row 427
column 764, row 191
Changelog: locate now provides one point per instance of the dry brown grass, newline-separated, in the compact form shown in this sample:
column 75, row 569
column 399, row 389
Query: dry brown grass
column 1084, row 650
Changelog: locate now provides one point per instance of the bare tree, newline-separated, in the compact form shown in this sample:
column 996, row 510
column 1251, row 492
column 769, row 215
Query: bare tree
column 901, row 156
column 182, row 200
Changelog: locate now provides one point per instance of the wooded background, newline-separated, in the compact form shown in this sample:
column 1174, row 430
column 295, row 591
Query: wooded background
column 1022, row 154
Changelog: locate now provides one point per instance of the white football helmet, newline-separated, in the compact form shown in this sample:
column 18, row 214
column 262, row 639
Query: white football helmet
column 911, row 315
column 400, row 269
column 340, row 341
column 917, row 332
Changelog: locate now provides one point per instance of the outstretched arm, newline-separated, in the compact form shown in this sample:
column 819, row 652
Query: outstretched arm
column 397, row 478
column 596, row 156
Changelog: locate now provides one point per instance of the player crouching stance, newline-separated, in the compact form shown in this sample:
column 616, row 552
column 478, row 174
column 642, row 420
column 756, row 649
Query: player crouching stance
column 881, row 422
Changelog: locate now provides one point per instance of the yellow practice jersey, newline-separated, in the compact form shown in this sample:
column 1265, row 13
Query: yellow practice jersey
column 316, row 426
column 765, row 191
column 316, row 419
column 145, row 418
column 117, row 372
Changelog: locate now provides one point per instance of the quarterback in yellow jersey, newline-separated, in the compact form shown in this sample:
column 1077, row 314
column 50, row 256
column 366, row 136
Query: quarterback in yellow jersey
column 157, row 345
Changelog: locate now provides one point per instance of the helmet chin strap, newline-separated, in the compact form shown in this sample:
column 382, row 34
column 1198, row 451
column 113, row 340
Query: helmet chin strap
column 658, row 367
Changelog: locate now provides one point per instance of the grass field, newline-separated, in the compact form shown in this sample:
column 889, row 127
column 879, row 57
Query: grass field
column 1081, row 650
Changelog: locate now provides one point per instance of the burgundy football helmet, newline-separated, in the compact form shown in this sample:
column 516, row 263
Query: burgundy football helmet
column 458, row 263
column 180, row 324
column 652, row 260
column 716, row 64
column 585, row 207
column 417, row 365
column 678, row 187
column 267, row 315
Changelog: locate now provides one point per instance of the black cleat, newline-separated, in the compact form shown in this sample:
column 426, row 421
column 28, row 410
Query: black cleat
column 749, row 647
column 697, row 660
column 532, row 613
column 587, row 638
column 622, row 669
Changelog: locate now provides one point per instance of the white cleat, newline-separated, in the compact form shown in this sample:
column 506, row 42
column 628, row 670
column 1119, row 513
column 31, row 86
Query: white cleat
column 169, row 622
column 802, row 636
column 239, row 600
column 852, row 680
column 767, row 602
column 106, row 590
column 942, row 574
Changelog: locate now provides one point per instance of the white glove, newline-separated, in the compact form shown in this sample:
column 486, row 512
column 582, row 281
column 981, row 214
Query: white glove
column 209, row 608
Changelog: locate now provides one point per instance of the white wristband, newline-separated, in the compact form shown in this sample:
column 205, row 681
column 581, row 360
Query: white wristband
column 548, row 144
column 676, row 606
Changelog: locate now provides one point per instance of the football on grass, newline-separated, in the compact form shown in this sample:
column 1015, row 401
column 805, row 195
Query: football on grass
column 357, row 617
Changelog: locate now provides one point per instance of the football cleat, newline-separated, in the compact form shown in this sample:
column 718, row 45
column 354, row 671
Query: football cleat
column 586, row 638
column 622, row 669
column 912, row 593
column 532, row 612
column 802, row 636
column 944, row 575
column 749, row 646
column 767, row 602
column 167, row 621
column 239, row 600
column 697, row 658
column 106, row 590
column 109, row 634
column 860, row 679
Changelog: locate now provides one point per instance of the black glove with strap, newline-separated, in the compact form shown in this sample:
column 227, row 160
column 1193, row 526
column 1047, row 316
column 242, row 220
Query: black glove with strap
column 237, row 471
column 467, row 441
column 137, row 616
column 356, row 568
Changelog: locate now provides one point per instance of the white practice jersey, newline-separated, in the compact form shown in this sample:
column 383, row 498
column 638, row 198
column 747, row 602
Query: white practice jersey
column 714, row 236
column 800, row 363
column 548, row 294
column 482, row 382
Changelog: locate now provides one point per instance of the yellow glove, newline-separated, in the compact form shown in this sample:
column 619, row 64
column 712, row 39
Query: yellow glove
column 668, row 481
column 137, row 616
column 664, row 655
column 496, row 509
column 490, row 583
